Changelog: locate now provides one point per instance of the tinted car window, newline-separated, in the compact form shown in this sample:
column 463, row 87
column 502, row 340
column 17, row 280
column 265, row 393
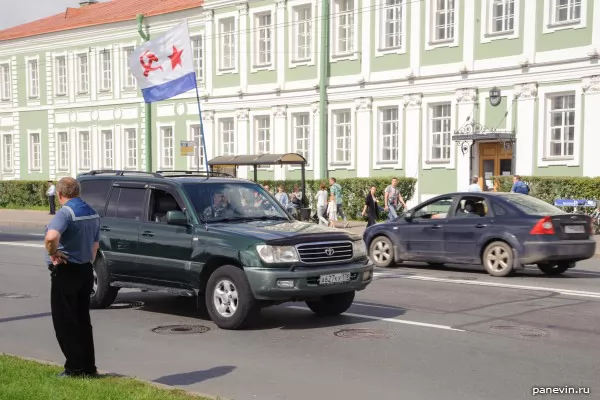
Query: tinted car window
column 531, row 205
column 126, row 203
column 437, row 209
column 95, row 192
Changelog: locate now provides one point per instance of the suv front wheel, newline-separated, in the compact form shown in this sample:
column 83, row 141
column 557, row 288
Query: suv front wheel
column 103, row 295
column 229, row 299
column 331, row 304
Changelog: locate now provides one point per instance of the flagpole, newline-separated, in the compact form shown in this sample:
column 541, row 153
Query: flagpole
column 201, row 133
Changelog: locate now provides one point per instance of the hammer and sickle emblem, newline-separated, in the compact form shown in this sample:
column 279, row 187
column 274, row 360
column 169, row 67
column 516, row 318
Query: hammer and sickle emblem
column 148, row 65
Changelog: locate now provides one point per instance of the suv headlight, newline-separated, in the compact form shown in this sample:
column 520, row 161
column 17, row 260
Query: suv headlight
column 277, row 254
column 359, row 249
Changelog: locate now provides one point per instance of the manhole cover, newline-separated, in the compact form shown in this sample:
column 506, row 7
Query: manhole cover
column 126, row 304
column 15, row 295
column 517, row 330
column 362, row 334
column 178, row 329
column 462, row 278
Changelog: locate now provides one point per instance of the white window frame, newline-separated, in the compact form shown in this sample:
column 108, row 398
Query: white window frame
column 107, row 153
column 380, row 18
column 128, row 79
column 233, row 69
column 81, row 152
column 262, row 134
column 293, row 13
column 192, row 162
column 8, row 163
column 431, row 133
column 430, row 41
column 379, row 127
column 82, row 79
column 61, row 75
column 31, row 93
column 5, row 81
column 487, row 16
column 428, row 104
column 545, row 95
column 105, row 85
column 254, row 33
column 221, row 131
column 162, row 148
column 31, row 151
column 294, row 138
column 551, row 25
column 335, row 163
column 199, row 61
column 63, row 151
column 336, row 53
column 126, row 147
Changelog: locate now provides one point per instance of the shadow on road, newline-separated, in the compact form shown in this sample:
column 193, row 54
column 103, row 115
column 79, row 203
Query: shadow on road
column 23, row 317
column 191, row 378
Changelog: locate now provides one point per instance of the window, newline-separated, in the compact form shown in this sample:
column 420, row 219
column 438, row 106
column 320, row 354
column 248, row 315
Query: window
column 263, row 39
column 263, row 135
column 167, row 139
column 197, row 49
column 61, row 75
column 63, row 150
column 131, row 148
column 562, row 125
column 128, row 79
column 85, row 152
column 7, row 152
column 531, row 205
column 35, row 152
column 34, row 78
column 95, row 193
column 302, row 135
column 5, row 86
column 105, row 70
column 302, row 38
column 227, row 43
column 83, row 76
column 440, row 132
column 227, row 137
column 434, row 210
column 344, row 32
column 125, row 203
column 503, row 16
column 471, row 206
column 162, row 203
column 195, row 136
column 443, row 20
column 567, row 11
column 107, row 149
column 389, row 135
column 392, row 24
column 342, row 139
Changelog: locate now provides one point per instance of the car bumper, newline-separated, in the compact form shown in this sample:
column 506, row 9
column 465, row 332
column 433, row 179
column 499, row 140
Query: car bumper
column 571, row 250
column 304, row 282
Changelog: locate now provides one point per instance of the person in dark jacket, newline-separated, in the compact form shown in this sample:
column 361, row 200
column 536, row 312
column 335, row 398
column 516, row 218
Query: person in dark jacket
column 371, row 207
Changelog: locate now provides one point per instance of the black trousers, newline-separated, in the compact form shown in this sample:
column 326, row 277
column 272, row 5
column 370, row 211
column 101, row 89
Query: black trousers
column 72, row 286
column 52, row 204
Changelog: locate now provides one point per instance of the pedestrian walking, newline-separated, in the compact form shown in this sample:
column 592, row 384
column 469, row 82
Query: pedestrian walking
column 474, row 186
column 321, row 198
column 72, row 241
column 371, row 207
column 332, row 209
column 51, row 193
column 519, row 186
column 392, row 198
column 336, row 190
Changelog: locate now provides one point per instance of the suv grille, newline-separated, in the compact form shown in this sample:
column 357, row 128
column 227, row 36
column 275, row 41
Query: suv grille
column 325, row 252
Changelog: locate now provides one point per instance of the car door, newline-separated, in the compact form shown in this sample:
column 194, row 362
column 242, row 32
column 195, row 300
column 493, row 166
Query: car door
column 119, row 228
column 165, row 250
column 471, row 218
column 424, row 231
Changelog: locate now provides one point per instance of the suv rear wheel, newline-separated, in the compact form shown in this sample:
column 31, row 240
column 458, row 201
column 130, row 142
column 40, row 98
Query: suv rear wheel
column 229, row 299
column 103, row 295
column 332, row 304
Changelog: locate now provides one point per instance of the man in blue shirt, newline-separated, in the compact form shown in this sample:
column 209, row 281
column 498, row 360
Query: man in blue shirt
column 519, row 186
column 72, row 241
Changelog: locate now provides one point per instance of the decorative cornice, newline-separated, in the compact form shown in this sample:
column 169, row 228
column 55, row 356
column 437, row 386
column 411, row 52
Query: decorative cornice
column 242, row 8
column 413, row 100
column 281, row 3
column 466, row 95
column 591, row 84
column 242, row 114
column 363, row 103
column 208, row 15
column 208, row 115
column 314, row 107
column 279, row 111
column 526, row 91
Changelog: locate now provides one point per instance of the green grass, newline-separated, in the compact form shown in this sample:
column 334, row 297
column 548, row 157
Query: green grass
column 28, row 380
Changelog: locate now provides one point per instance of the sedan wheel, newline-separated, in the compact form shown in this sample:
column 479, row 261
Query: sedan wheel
column 555, row 269
column 498, row 259
column 382, row 252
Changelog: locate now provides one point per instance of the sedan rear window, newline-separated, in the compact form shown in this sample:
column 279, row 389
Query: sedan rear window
column 531, row 205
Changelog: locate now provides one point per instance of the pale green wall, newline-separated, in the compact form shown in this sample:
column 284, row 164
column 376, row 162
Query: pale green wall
column 33, row 120
column 567, row 38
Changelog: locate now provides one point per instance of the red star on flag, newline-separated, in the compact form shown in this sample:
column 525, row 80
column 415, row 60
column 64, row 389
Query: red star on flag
column 175, row 57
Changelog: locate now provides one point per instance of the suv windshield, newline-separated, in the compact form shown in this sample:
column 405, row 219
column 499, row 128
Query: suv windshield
column 531, row 205
column 216, row 202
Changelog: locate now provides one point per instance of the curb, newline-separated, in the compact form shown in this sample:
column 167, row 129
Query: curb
column 23, row 224
column 112, row 374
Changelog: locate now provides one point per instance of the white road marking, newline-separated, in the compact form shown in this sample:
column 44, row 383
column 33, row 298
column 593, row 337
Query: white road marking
column 21, row 244
column 394, row 320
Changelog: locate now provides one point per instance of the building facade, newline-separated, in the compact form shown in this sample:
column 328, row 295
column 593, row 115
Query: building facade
column 438, row 90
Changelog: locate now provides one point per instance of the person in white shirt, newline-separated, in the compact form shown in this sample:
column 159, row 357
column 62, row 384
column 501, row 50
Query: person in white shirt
column 474, row 186
column 332, row 209
column 282, row 197
column 322, row 204
column 51, row 193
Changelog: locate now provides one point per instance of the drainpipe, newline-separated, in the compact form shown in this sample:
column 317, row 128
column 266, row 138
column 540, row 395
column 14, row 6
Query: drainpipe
column 145, row 36
column 323, row 82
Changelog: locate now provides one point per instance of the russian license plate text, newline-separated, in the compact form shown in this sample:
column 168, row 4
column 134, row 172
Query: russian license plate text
column 333, row 279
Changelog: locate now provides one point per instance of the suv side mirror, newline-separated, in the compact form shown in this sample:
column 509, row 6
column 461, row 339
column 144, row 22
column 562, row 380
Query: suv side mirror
column 408, row 216
column 176, row 218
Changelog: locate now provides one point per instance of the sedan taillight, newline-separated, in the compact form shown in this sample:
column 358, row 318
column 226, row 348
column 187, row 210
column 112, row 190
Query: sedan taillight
column 543, row 227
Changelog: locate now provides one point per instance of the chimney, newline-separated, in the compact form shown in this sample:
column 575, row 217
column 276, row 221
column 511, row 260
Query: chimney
column 84, row 3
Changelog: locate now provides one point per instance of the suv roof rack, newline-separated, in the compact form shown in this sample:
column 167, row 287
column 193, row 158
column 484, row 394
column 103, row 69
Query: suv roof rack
column 181, row 173
column 120, row 172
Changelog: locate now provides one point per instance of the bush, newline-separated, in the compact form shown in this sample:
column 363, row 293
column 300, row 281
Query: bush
column 550, row 188
column 24, row 194
column 354, row 191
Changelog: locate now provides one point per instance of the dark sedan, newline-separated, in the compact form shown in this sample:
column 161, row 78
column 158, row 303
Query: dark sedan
column 501, row 231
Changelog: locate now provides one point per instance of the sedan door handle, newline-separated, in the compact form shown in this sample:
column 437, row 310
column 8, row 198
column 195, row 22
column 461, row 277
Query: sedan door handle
column 436, row 226
column 148, row 233
column 105, row 228
column 480, row 225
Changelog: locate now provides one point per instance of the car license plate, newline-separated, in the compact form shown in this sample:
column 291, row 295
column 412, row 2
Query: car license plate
column 574, row 229
column 333, row 279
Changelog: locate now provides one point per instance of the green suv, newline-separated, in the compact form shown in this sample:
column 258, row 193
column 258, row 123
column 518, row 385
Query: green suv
column 220, row 237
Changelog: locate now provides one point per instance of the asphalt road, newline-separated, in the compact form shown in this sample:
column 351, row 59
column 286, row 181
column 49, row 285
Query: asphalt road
column 453, row 333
